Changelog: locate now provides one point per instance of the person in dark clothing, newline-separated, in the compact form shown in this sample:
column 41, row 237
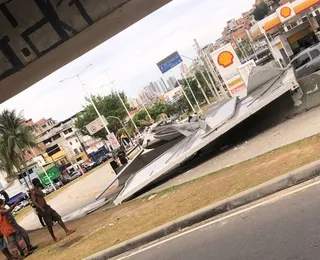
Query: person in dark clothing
column 122, row 156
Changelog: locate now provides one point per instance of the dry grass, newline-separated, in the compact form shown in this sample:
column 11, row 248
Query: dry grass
column 105, row 229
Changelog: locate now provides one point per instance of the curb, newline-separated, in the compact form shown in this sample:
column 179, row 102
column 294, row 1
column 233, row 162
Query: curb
column 280, row 183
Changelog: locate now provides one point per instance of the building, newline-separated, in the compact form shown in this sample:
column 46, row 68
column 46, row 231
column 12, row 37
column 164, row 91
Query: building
column 290, row 29
column 68, row 143
column 134, row 102
column 236, row 30
column 172, row 82
column 147, row 95
column 173, row 95
column 42, row 126
column 164, row 85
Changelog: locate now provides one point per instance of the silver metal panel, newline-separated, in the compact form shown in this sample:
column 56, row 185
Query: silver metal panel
column 199, row 139
column 261, row 75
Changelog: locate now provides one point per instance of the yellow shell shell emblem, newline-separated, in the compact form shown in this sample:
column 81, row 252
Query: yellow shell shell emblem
column 285, row 12
column 225, row 59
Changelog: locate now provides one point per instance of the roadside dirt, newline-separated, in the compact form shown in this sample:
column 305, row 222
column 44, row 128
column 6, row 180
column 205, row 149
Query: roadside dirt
column 105, row 229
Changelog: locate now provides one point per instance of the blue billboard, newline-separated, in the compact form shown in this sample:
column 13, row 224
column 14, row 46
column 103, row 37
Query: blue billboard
column 170, row 62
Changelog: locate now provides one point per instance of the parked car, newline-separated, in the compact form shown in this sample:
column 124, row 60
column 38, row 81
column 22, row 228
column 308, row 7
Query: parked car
column 21, row 205
column 307, row 61
column 89, row 165
column 104, row 158
column 71, row 177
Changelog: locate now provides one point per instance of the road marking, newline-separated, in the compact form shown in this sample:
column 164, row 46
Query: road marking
column 281, row 196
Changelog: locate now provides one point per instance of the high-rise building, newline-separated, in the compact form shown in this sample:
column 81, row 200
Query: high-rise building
column 164, row 84
column 147, row 94
column 134, row 102
column 163, row 87
column 172, row 82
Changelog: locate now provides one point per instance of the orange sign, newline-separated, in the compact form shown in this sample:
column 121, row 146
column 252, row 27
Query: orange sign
column 225, row 59
column 286, row 12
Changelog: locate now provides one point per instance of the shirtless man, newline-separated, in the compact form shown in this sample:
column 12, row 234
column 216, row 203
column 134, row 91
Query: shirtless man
column 49, row 215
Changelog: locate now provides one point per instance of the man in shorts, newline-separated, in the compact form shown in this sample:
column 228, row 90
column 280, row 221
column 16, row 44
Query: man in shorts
column 49, row 215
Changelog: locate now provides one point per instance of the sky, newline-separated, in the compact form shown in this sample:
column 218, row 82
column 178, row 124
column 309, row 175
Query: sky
column 129, row 58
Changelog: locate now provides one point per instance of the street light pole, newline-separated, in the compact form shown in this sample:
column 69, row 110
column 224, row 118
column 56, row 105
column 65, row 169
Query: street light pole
column 122, row 102
column 199, row 86
column 144, row 106
column 215, row 76
column 185, row 94
column 183, row 76
column 201, row 53
column 94, row 105
column 205, row 79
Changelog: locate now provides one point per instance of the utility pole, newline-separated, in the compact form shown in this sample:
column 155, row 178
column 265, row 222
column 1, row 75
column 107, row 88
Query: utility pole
column 122, row 102
column 215, row 76
column 90, row 98
column 185, row 94
column 144, row 107
column 184, row 77
column 202, row 57
column 199, row 86
column 208, row 84
column 94, row 105
column 244, row 54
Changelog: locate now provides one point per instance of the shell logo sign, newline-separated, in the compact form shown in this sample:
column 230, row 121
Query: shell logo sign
column 286, row 12
column 227, row 63
column 225, row 59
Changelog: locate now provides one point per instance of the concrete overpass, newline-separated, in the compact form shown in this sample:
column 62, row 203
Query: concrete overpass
column 38, row 37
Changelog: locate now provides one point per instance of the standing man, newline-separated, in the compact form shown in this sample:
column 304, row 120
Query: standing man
column 49, row 215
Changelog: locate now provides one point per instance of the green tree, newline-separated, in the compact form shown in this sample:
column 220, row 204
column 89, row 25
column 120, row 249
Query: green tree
column 109, row 105
column 15, row 138
column 260, row 11
column 142, row 119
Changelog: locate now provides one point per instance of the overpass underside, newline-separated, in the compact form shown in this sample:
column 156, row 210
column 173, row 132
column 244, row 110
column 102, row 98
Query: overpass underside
column 38, row 37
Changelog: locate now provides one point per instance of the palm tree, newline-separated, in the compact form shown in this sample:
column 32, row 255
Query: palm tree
column 15, row 137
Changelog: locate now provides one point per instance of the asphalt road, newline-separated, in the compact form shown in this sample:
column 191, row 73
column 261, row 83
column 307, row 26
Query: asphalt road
column 287, row 228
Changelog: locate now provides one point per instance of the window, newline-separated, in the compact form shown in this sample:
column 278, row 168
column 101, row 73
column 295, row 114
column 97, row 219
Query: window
column 77, row 141
column 70, row 143
column 68, row 131
column 76, row 151
column 81, row 150
column 314, row 53
column 300, row 61
column 55, row 137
